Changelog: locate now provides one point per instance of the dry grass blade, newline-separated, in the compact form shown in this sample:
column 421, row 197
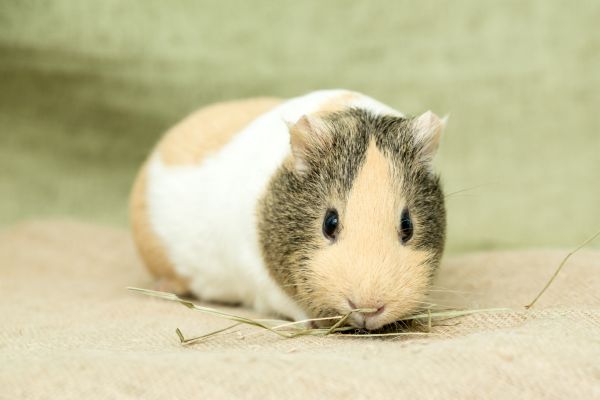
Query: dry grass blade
column 208, row 310
column 443, row 315
column 387, row 334
column 295, row 329
column 429, row 320
column 560, row 266
column 338, row 324
column 183, row 340
column 304, row 321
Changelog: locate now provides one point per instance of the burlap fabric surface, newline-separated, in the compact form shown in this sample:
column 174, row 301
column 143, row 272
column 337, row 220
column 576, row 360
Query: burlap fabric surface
column 70, row 330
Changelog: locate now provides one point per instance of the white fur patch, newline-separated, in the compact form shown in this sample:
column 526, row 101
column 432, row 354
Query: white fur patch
column 205, row 214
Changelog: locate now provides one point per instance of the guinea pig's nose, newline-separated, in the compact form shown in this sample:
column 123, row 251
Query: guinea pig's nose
column 378, row 308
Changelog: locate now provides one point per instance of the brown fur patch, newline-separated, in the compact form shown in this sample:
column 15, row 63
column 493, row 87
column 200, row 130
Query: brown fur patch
column 367, row 264
column 209, row 129
column 337, row 103
column 148, row 244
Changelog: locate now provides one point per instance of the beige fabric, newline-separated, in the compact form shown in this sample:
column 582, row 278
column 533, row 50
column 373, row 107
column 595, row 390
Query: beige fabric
column 70, row 330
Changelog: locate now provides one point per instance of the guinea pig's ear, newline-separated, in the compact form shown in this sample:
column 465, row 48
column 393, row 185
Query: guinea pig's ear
column 428, row 133
column 307, row 136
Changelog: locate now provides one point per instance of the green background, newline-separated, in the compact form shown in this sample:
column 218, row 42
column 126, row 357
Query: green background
column 87, row 87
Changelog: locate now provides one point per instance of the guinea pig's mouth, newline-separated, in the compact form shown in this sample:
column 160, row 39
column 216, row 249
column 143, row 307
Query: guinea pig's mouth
column 369, row 320
column 361, row 322
column 391, row 327
column 382, row 320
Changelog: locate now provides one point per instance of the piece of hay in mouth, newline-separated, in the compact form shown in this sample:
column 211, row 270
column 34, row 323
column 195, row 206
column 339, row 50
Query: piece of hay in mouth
column 288, row 329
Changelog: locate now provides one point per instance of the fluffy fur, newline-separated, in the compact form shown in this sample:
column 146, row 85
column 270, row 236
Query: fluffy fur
column 368, row 167
column 240, row 222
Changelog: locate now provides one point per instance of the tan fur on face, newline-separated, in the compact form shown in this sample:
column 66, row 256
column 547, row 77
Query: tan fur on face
column 209, row 129
column 367, row 264
column 148, row 244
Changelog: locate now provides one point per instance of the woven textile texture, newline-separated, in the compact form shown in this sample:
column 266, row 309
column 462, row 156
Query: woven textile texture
column 71, row 330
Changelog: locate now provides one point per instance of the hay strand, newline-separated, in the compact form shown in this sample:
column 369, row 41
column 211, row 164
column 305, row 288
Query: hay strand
column 295, row 329
column 183, row 340
column 560, row 267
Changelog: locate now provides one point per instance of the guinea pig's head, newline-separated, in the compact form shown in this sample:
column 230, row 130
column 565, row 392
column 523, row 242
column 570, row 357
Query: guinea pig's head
column 355, row 218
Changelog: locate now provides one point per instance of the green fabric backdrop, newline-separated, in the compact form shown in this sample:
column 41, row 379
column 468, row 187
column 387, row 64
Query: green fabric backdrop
column 86, row 88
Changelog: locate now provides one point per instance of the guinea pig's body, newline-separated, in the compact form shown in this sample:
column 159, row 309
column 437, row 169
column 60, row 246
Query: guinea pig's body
column 203, row 205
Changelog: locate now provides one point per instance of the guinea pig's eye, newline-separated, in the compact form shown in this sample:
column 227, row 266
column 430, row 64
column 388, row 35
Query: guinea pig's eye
column 330, row 224
column 406, row 226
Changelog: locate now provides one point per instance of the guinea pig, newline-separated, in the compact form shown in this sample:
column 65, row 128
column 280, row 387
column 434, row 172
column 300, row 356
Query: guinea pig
column 304, row 208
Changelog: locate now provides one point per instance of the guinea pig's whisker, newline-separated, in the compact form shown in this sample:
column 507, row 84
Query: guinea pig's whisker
column 450, row 291
column 459, row 196
column 447, row 290
column 468, row 189
column 423, row 302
